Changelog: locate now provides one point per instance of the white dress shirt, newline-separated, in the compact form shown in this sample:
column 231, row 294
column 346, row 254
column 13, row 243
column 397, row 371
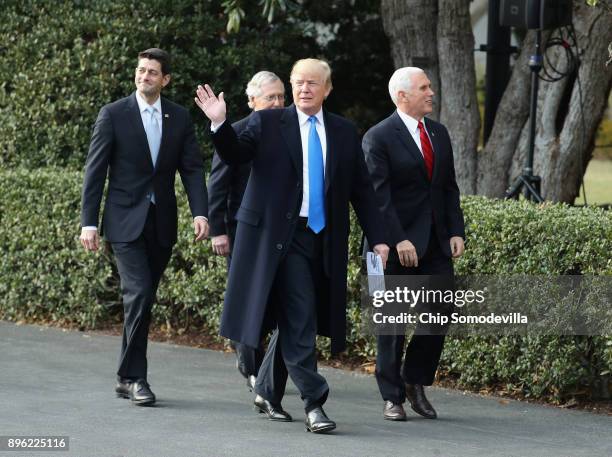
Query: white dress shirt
column 304, row 133
column 143, row 105
column 413, row 127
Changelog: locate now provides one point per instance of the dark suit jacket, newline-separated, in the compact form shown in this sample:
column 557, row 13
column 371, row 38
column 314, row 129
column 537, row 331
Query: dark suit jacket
column 226, row 186
column 270, row 208
column 119, row 147
column 409, row 200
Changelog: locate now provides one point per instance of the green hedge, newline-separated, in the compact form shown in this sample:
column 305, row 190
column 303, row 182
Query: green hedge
column 46, row 276
column 61, row 61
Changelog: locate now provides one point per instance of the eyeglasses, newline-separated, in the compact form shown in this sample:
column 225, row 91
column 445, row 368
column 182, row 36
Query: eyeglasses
column 271, row 98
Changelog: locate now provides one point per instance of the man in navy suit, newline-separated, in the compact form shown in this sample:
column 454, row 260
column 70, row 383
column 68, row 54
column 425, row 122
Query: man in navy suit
column 140, row 142
column 410, row 159
column 291, row 249
column 226, row 186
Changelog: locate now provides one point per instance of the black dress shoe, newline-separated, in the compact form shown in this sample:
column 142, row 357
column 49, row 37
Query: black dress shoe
column 415, row 394
column 273, row 412
column 394, row 412
column 318, row 422
column 250, row 382
column 140, row 393
column 122, row 389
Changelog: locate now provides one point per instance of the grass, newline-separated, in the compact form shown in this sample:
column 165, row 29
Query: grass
column 598, row 183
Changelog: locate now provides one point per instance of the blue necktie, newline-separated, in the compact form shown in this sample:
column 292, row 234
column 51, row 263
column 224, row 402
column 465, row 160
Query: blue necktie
column 316, row 179
column 153, row 138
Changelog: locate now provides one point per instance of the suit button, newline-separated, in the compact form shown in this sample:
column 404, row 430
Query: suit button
column 288, row 215
column 279, row 247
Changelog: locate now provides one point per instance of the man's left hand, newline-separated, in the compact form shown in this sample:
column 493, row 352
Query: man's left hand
column 200, row 228
column 383, row 251
column 457, row 247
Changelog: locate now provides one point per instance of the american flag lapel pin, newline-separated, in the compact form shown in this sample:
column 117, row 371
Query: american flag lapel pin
column 167, row 116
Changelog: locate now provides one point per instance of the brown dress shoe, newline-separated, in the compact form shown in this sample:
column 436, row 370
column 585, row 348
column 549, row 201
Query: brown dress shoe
column 415, row 394
column 394, row 412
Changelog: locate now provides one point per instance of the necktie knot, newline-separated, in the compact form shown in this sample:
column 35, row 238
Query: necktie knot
column 421, row 126
column 312, row 120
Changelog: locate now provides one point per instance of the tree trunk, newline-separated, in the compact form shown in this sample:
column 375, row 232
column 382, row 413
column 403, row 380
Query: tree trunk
column 411, row 28
column 459, row 105
column 495, row 160
column 563, row 158
column 567, row 118
column 564, row 140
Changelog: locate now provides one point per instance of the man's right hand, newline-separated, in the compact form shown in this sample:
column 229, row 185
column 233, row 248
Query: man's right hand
column 221, row 245
column 90, row 239
column 407, row 254
column 214, row 108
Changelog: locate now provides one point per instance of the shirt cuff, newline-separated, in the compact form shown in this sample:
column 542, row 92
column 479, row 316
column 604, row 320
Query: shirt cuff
column 90, row 227
column 214, row 128
column 201, row 217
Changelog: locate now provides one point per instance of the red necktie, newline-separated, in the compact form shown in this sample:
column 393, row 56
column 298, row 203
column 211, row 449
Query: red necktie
column 428, row 154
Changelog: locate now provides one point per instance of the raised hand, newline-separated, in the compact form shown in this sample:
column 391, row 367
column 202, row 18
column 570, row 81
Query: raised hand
column 214, row 108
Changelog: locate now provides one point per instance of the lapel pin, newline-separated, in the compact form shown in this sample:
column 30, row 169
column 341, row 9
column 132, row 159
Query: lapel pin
column 432, row 134
column 167, row 116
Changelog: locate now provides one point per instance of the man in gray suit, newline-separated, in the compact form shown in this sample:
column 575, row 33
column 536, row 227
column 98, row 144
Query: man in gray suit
column 140, row 142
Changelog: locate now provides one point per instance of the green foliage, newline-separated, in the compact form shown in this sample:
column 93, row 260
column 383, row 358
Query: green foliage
column 46, row 276
column 60, row 62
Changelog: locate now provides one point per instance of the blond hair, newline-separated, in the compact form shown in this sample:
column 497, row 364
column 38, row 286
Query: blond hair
column 321, row 66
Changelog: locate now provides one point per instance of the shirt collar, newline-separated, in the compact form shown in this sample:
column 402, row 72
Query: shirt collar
column 303, row 117
column 143, row 105
column 411, row 123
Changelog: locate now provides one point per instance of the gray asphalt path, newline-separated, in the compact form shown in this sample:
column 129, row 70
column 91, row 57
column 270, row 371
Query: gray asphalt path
column 55, row 382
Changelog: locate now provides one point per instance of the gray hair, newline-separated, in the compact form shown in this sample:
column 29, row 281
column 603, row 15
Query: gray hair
column 402, row 80
column 259, row 79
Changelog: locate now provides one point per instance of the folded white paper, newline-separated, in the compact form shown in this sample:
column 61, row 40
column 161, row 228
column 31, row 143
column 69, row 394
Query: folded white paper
column 376, row 274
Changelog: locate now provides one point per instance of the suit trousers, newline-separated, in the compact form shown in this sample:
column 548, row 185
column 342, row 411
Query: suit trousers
column 248, row 358
column 292, row 348
column 423, row 352
column 141, row 264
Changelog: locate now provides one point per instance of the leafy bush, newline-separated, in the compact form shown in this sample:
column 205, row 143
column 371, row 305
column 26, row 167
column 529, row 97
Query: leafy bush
column 60, row 62
column 46, row 276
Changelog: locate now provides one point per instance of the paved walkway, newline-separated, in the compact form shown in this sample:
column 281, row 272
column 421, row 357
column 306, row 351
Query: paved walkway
column 55, row 382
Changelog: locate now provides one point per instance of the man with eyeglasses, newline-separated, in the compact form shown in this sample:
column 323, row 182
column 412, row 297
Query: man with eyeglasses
column 291, row 249
column 226, row 188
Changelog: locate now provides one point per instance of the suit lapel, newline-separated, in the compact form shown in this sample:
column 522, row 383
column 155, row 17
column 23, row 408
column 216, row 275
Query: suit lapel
column 167, row 124
column 408, row 141
column 290, row 130
column 331, row 161
column 135, row 118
